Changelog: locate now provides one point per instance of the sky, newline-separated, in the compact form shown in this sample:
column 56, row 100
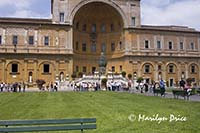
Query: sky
column 153, row 12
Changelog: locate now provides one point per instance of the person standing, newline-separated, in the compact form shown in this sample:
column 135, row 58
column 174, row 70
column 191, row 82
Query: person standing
column 162, row 87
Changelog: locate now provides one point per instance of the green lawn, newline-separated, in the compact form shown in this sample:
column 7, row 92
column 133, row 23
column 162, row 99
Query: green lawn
column 111, row 110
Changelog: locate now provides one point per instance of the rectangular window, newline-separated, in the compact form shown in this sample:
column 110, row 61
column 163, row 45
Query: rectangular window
column 93, row 69
column 0, row 40
column 77, row 69
column 103, row 47
column 15, row 40
column 93, row 48
column 31, row 40
column 103, row 28
column 170, row 45
column 113, row 46
column 171, row 68
column 192, row 69
column 62, row 17
column 181, row 46
column 112, row 28
column 14, row 68
column 192, row 46
column 158, row 44
column 133, row 21
column 84, row 69
column 84, row 28
column 77, row 45
column 146, row 44
column 94, row 28
column 77, row 25
column 46, row 40
column 46, row 68
column 84, row 47
column 147, row 69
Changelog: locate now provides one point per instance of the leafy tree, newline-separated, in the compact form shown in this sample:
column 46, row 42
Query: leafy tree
column 123, row 74
column 130, row 76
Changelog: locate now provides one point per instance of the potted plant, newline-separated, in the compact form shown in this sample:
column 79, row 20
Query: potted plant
column 103, row 83
column 129, row 76
column 123, row 74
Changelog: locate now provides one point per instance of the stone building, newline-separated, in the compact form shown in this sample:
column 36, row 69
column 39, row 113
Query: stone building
column 80, row 30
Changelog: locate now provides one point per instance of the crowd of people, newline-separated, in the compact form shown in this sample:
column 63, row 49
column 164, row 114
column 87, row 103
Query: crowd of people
column 14, row 87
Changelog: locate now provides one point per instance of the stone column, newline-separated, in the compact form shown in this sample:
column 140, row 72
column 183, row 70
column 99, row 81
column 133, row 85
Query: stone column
column 186, row 70
column 138, row 42
column 35, row 73
column 156, row 72
column 4, row 70
column 25, row 70
column 36, row 37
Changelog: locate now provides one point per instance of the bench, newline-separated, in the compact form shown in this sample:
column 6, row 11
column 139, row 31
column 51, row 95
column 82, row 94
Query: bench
column 47, row 125
column 182, row 93
column 158, row 91
column 198, row 92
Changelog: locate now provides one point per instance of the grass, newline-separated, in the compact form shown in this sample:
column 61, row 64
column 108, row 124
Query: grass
column 111, row 110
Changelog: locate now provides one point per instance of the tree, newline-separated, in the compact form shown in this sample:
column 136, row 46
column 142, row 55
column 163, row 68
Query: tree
column 130, row 76
column 40, row 83
column 104, row 82
column 123, row 74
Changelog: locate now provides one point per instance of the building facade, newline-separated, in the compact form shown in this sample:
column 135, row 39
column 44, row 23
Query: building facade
column 80, row 30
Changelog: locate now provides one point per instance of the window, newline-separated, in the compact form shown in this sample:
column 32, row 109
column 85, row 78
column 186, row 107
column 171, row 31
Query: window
column 103, row 47
column 77, row 25
column 62, row 17
column 193, row 69
column 158, row 45
column 84, row 27
column 192, row 46
column 133, row 21
column 94, row 28
column 93, row 69
column 112, row 46
column 159, row 67
column 146, row 44
column 31, row 40
column 46, row 68
column 15, row 40
column 147, row 68
column 84, row 47
column 14, row 68
column 93, row 48
column 0, row 40
column 46, row 40
column 170, row 45
column 171, row 68
column 103, row 28
column 112, row 28
column 113, row 68
column 77, row 45
column 77, row 69
column 181, row 46
column 84, row 69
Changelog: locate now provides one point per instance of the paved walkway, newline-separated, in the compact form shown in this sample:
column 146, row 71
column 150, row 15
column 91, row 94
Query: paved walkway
column 168, row 94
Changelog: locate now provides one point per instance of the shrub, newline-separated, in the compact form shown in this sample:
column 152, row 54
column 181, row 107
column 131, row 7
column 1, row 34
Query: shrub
column 140, row 79
column 73, row 75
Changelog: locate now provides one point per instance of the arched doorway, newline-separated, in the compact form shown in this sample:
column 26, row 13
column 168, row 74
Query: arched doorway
column 97, row 27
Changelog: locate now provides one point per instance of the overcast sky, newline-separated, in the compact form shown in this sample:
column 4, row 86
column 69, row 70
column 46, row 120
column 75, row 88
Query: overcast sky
column 154, row 12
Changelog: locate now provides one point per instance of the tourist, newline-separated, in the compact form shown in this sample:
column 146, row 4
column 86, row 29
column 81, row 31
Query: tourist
column 162, row 87
column 182, row 84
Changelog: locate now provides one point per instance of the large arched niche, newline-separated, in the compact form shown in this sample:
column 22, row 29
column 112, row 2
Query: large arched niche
column 97, row 27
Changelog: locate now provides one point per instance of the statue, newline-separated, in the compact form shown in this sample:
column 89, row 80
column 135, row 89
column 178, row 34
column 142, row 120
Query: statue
column 102, row 63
